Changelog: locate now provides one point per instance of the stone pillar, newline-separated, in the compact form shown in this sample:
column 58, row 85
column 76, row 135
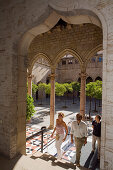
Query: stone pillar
column 82, row 94
column 52, row 101
column 30, row 85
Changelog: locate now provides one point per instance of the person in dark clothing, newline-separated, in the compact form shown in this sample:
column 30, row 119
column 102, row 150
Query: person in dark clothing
column 96, row 125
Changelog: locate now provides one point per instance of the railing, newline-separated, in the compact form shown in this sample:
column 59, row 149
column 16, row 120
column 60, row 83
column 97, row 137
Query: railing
column 43, row 129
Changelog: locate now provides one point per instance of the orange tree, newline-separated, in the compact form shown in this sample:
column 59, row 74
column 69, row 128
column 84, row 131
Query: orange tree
column 76, row 88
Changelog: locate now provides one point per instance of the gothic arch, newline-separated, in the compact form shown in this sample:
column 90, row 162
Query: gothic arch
column 50, row 20
column 78, row 16
column 98, row 78
column 35, row 58
column 89, row 79
column 68, row 80
column 62, row 53
column 79, row 80
column 92, row 53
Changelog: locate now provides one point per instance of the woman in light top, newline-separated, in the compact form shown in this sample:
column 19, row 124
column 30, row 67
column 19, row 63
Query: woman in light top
column 60, row 128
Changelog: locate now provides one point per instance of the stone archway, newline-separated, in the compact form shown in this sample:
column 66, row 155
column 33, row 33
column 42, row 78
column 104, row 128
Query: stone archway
column 44, row 16
column 82, row 74
column 98, row 78
column 64, row 52
column 88, row 80
column 35, row 58
column 104, row 31
column 31, row 37
column 30, row 67
column 93, row 52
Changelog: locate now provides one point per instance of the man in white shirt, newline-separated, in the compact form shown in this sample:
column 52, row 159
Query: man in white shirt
column 79, row 132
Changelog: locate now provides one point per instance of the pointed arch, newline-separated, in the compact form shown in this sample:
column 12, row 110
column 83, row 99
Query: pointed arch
column 66, row 51
column 93, row 52
column 35, row 58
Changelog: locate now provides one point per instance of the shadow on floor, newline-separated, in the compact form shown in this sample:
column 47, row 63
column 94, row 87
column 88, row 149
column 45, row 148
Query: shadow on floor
column 55, row 162
column 8, row 164
column 92, row 162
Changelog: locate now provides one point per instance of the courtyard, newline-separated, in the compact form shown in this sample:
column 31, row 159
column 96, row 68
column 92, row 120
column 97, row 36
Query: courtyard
column 42, row 118
column 67, row 36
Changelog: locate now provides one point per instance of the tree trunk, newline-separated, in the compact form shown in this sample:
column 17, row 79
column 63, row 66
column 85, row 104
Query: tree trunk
column 65, row 100
column 100, row 103
column 95, row 106
column 41, row 97
column 90, row 107
column 73, row 97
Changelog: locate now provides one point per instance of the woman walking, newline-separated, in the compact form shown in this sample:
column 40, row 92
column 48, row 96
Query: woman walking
column 60, row 128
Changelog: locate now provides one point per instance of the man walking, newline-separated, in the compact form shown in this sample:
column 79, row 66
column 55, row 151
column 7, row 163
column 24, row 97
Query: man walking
column 79, row 132
column 96, row 125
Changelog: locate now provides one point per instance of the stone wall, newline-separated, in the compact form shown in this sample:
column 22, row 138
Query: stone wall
column 21, row 21
column 67, row 72
column 80, row 38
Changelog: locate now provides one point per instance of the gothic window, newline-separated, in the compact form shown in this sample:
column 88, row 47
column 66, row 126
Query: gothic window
column 76, row 62
column 70, row 61
column 93, row 59
column 100, row 59
column 63, row 62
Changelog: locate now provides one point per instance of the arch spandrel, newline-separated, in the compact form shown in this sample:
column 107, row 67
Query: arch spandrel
column 74, row 17
column 74, row 53
column 64, row 52
column 92, row 53
column 66, row 5
column 35, row 58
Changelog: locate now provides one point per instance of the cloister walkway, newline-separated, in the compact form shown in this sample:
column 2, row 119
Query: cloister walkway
column 41, row 118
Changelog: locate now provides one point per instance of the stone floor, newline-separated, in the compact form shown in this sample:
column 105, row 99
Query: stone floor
column 34, row 160
column 42, row 118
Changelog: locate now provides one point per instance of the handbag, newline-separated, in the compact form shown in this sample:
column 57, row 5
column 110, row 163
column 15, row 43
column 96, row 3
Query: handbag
column 57, row 136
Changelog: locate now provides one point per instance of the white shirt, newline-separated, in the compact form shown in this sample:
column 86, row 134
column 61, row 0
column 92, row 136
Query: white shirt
column 79, row 130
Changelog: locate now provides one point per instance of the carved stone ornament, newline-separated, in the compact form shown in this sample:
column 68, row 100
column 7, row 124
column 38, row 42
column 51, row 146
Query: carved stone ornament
column 69, row 5
column 64, row 5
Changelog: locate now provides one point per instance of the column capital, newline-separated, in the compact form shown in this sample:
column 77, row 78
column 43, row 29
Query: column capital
column 30, row 76
column 83, row 75
column 52, row 70
column 52, row 76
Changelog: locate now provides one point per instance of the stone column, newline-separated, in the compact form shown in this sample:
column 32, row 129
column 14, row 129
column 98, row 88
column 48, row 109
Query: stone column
column 82, row 94
column 52, row 101
column 30, row 85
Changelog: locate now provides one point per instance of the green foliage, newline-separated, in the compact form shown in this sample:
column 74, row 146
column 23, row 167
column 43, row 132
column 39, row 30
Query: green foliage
column 41, row 86
column 48, row 88
column 76, row 86
column 34, row 88
column 98, row 90
column 60, row 89
column 68, row 87
column 94, row 89
column 90, row 89
column 30, row 107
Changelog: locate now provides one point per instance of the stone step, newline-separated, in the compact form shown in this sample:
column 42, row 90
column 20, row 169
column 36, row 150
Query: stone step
column 40, row 161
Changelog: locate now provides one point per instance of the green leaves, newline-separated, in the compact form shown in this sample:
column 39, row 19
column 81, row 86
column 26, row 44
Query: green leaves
column 75, row 86
column 30, row 107
column 41, row 86
column 34, row 88
column 47, row 88
column 98, row 90
column 94, row 89
column 68, row 87
column 60, row 89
